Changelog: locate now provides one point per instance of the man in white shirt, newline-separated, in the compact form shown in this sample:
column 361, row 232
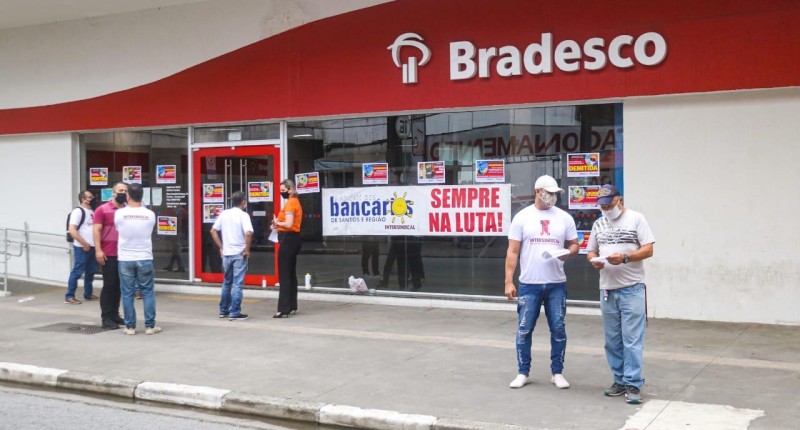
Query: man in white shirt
column 622, row 240
column 234, row 246
column 82, row 233
column 537, row 239
column 135, row 225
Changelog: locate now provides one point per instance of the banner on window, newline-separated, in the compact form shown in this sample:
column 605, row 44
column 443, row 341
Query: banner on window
column 132, row 174
column 455, row 210
column 166, row 174
column 583, row 241
column 490, row 171
column 98, row 176
column 168, row 225
column 214, row 193
column 259, row 191
column 307, row 182
column 583, row 164
column 583, row 197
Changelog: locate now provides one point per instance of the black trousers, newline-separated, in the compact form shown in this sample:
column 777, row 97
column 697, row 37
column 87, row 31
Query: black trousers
column 110, row 295
column 370, row 249
column 287, row 270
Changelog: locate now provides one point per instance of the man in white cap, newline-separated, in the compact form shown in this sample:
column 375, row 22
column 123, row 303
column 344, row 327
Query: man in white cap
column 541, row 238
column 620, row 240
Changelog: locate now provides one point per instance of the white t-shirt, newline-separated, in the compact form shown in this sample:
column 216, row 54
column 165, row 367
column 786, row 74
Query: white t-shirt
column 625, row 235
column 233, row 223
column 135, row 227
column 539, row 231
column 86, row 231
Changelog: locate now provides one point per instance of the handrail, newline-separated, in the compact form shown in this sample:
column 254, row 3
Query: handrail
column 24, row 248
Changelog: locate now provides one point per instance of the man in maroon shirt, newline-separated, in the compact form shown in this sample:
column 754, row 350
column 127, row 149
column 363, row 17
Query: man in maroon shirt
column 105, row 238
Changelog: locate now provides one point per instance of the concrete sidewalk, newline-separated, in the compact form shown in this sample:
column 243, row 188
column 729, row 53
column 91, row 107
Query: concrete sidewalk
column 448, row 364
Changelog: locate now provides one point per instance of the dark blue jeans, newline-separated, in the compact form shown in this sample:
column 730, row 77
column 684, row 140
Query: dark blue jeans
column 86, row 265
column 529, row 302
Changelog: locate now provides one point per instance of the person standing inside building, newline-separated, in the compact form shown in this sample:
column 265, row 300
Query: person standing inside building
column 537, row 237
column 82, row 233
column 288, row 225
column 234, row 246
column 135, row 225
column 619, row 242
column 105, row 239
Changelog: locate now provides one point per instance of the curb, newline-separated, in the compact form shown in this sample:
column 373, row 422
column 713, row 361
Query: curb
column 226, row 400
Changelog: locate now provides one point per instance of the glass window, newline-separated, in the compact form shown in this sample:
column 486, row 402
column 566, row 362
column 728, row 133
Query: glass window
column 232, row 133
column 159, row 160
column 532, row 141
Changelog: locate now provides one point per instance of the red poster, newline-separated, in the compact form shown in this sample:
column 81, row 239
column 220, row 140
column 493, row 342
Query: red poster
column 490, row 171
column 583, row 197
column 214, row 193
column 583, row 164
column 307, row 182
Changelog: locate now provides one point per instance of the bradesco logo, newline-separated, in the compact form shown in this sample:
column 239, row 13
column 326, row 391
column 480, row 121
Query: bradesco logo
column 539, row 58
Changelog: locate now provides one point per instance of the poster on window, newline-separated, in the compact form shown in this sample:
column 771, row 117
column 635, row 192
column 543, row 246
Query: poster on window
column 583, row 196
column 430, row 172
column 132, row 174
column 487, row 171
column 106, row 194
column 167, row 226
column 307, row 182
column 211, row 212
column 214, row 193
column 583, row 165
column 375, row 173
column 583, row 241
column 259, row 191
column 98, row 176
column 166, row 174
column 439, row 210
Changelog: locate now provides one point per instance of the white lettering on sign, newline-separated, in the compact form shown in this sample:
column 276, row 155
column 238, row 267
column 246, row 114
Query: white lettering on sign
column 623, row 51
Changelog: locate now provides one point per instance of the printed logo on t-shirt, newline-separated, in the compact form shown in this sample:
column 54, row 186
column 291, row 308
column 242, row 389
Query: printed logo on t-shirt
column 608, row 235
column 545, row 227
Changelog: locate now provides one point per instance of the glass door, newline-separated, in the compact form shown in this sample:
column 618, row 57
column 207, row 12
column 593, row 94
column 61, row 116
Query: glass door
column 220, row 172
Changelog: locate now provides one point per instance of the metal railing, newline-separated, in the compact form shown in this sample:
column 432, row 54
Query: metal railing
column 21, row 240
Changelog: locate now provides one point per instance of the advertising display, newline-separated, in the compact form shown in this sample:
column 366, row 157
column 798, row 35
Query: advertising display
column 132, row 174
column 214, row 193
column 583, row 196
column 452, row 210
column 167, row 225
column 106, row 193
column 307, row 182
column 166, row 174
column 430, row 172
column 583, row 241
column 98, row 176
column 375, row 173
column 259, row 191
column 211, row 212
column 490, row 171
column 583, row 164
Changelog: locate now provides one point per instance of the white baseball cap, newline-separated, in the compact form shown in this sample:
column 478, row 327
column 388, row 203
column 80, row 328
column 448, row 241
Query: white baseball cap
column 548, row 183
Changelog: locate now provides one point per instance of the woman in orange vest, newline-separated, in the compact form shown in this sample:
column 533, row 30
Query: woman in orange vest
column 288, row 225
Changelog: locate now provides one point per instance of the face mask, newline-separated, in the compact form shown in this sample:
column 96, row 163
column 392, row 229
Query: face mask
column 285, row 195
column 612, row 213
column 121, row 198
column 548, row 199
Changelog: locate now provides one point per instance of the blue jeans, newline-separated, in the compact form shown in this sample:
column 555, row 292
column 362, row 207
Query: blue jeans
column 624, row 319
column 529, row 302
column 86, row 265
column 139, row 275
column 230, row 301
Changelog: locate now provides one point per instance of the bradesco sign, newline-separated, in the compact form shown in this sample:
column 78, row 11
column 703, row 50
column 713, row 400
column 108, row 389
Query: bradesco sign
column 538, row 58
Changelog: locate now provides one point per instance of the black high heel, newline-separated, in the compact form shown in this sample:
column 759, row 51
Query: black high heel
column 280, row 315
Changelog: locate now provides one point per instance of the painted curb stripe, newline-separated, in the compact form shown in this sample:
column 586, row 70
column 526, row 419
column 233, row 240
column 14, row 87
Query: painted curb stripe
column 189, row 395
column 27, row 374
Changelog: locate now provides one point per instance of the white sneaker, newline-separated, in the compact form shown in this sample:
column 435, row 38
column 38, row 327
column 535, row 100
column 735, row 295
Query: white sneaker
column 519, row 381
column 152, row 330
column 559, row 380
column 129, row 331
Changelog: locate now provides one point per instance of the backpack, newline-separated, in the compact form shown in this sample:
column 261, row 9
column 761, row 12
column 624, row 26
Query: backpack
column 83, row 218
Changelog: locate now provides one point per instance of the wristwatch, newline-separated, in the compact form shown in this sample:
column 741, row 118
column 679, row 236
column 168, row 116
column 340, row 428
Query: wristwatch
column 625, row 259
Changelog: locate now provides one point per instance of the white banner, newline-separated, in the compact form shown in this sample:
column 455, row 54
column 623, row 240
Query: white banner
column 444, row 210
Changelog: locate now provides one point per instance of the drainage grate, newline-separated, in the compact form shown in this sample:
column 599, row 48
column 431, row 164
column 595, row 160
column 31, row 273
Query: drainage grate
column 72, row 328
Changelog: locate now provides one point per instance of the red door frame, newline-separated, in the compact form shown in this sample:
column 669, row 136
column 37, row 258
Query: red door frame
column 231, row 151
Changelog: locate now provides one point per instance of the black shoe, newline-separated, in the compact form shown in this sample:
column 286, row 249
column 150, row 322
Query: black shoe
column 181, row 269
column 240, row 317
column 168, row 269
column 614, row 390
column 224, row 315
column 280, row 315
column 110, row 325
column 632, row 395
column 118, row 321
